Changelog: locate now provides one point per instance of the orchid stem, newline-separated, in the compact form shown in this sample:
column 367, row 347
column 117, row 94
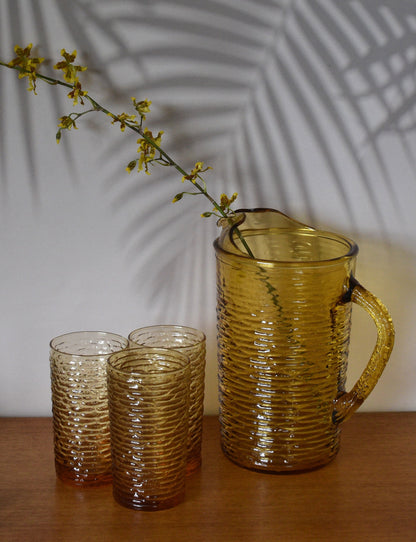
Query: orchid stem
column 138, row 129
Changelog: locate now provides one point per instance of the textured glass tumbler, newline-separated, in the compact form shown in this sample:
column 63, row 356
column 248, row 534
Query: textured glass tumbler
column 192, row 343
column 284, row 320
column 79, row 405
column 148, row 392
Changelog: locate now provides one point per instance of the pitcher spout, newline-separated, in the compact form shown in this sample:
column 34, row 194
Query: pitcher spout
column 249, row 224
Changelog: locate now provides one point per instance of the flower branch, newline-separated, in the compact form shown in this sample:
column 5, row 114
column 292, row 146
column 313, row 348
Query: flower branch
column 150, row 150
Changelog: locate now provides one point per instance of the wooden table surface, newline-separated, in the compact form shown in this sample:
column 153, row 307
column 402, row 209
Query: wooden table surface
column 368, row 493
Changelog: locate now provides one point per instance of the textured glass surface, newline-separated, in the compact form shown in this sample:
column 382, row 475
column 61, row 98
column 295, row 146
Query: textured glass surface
column 79, row 405
column 148, row 391
column 283, row 337
column 190, row 342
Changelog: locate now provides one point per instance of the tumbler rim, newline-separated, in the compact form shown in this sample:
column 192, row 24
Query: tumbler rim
column 97, row 333
column 197, row 334
column 169, row 352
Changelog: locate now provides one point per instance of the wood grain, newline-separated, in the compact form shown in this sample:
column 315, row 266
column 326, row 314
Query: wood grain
column 368, row 493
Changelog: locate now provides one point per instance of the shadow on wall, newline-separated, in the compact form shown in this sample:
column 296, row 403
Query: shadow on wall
column 271, row 80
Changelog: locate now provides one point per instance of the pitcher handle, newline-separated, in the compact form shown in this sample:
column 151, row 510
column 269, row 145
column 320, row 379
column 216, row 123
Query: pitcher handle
column 348, row 402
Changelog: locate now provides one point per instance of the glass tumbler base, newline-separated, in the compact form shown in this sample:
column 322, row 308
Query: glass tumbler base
column 79, row 479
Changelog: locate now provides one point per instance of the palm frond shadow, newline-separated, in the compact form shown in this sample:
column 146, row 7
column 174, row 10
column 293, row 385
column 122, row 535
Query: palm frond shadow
column 362, row 64
column 242, row 86
column 74, row 18
column 247, row 159
column 398, row 49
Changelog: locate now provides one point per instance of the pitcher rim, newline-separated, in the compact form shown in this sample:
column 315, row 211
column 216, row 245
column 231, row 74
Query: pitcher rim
column 350, row 246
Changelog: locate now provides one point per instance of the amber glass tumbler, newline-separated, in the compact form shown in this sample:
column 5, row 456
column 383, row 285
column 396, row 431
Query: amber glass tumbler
column 148, row 391
column 79, row 405
column 192, row 343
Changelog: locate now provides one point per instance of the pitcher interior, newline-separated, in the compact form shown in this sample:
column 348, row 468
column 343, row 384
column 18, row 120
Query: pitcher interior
column 296, row 245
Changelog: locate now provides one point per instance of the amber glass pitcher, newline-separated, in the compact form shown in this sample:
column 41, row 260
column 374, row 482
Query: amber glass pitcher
column 284, row 319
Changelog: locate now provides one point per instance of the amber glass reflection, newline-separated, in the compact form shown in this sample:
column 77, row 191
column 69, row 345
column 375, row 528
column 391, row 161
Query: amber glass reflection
column 148, row 391
column 284, row 322
column 190, row 342
column 79, row 405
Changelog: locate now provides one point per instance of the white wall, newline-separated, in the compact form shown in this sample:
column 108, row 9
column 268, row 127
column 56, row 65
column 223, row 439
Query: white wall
column 304, row 107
